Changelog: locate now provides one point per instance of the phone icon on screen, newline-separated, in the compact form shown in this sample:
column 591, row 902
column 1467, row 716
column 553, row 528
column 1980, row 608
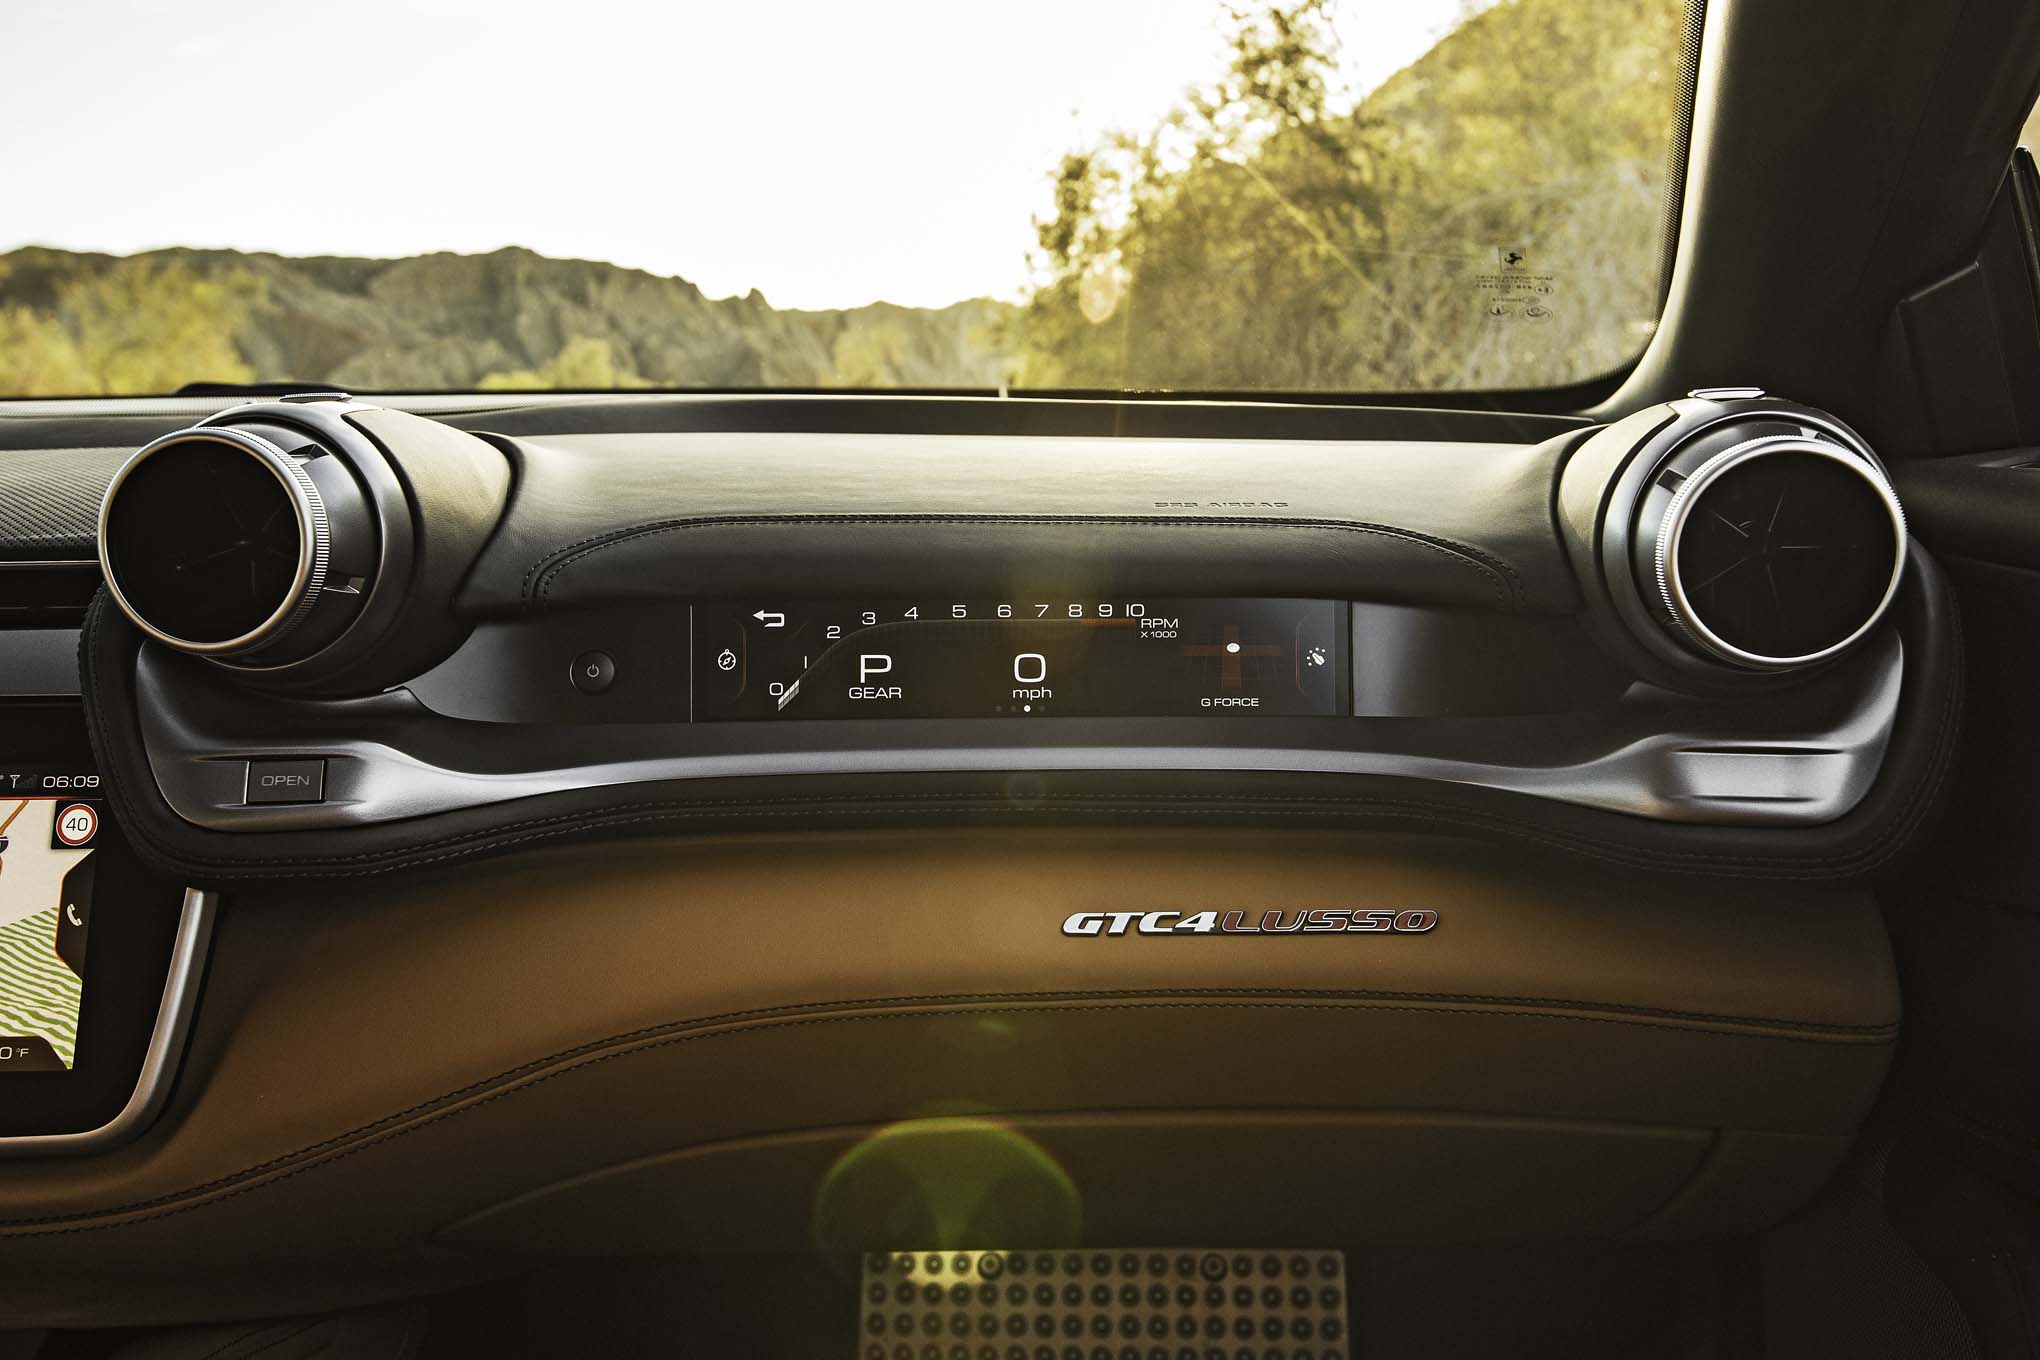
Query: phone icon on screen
column 71, row 914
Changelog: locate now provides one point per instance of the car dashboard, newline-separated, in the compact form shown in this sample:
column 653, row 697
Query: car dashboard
column 537, row 829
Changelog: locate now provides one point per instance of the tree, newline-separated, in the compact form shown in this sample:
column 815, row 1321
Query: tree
column 37, row 356
column 583, row 363
column 1276, row 232
column 140, row 325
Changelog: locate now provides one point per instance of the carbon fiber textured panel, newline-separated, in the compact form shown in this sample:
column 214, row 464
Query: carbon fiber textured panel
column 1126, row 1304
column 49, row 500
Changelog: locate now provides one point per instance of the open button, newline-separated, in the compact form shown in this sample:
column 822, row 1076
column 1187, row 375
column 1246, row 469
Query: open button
column 286, row 781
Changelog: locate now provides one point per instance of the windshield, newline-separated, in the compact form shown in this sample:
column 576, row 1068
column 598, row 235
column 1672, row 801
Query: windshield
column 1322, row 195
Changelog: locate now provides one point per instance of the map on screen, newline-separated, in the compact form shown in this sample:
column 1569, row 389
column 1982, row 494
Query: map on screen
column 46, row 871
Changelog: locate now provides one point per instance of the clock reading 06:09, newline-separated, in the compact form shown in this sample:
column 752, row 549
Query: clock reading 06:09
column 1018, row 658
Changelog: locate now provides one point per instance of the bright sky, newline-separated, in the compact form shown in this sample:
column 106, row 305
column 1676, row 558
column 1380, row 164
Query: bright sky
column 826, row 153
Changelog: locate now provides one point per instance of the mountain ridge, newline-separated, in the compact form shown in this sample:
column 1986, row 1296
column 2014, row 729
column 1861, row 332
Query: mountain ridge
column 446, row 320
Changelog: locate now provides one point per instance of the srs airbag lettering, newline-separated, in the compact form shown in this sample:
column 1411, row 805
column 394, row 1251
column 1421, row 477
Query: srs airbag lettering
column 1314, row 921
column 1221, row 505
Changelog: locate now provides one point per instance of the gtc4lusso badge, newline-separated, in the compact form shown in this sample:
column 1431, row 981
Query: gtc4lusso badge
column 1313, row 921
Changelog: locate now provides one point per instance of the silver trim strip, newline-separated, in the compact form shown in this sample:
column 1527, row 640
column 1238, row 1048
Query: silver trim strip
column 313, row 537
column 1730, row 776
column 166, row 1044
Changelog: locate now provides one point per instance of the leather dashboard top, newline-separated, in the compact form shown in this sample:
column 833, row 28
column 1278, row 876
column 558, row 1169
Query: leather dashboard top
column 606, row 517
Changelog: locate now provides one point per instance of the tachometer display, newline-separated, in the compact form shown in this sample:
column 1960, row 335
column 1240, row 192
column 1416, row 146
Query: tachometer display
column 1018, row 658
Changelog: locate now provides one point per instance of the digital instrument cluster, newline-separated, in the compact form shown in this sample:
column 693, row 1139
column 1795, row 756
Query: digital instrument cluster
column 1020, row 658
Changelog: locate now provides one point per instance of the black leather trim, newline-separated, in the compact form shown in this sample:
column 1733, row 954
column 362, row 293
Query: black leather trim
column 1863, row 841
column 601, row 518
column 1982, row 506
column 1315, row 415
column 921, row 546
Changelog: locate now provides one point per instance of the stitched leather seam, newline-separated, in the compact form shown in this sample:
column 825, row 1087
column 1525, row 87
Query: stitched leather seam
column 1501, row 577
column 289, row 1334
column 581, row 1057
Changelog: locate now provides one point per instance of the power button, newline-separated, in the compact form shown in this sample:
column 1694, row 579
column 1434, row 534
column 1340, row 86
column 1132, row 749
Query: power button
column 593, row 672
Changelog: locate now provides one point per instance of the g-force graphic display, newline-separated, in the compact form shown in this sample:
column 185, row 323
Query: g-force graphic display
column 50, row 822
column 1019, row 658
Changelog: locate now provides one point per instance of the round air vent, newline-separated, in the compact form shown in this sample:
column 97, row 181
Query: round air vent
column 284, row 540
column 1779, row 550
column 250, row 544
column 214, row 541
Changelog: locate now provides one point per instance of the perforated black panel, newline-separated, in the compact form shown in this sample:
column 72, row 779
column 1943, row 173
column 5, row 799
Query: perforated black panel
column 49, row 501
column 1124, row 1304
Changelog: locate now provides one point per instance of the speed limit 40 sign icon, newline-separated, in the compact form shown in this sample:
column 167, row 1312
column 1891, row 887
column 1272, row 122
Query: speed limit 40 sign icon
column 77, row 824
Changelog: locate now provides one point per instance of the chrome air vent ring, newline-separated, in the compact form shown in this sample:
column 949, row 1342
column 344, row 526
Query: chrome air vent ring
column 214, row 541
column 1732, row 575
column 284, row 541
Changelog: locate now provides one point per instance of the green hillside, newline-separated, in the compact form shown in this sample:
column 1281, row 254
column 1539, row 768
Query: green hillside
column 508, row 319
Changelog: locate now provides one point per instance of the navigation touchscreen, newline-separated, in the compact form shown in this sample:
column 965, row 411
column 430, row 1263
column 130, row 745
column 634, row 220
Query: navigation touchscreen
column 47, row 838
